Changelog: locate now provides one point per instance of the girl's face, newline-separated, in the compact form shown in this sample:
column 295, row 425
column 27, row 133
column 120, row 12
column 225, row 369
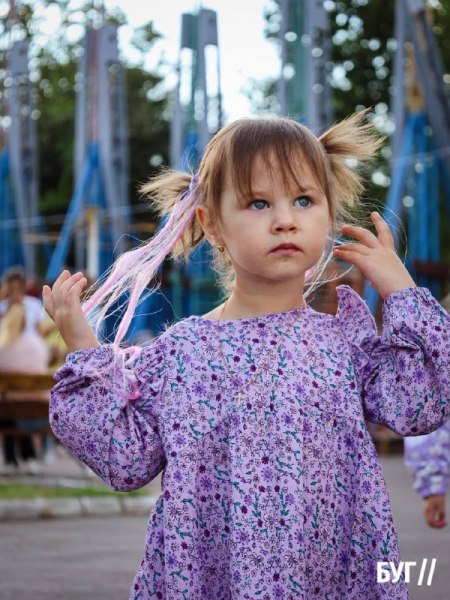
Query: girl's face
column 252, row 230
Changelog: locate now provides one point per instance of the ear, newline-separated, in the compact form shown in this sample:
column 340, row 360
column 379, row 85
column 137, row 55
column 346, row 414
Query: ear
column 210, row 228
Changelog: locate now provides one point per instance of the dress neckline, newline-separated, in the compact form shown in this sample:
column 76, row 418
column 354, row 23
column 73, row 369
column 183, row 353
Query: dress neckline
column 271, row 316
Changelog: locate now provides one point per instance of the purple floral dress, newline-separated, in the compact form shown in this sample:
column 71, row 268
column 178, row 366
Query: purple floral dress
column 281, row 496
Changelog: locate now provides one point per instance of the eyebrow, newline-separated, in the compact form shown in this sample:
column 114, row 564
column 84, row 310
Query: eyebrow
column 304, row 191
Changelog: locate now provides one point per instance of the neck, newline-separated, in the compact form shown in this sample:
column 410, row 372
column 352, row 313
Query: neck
column 254, row 299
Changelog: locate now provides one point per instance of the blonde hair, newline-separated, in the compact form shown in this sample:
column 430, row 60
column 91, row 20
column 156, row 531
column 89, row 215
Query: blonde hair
column 337, row 159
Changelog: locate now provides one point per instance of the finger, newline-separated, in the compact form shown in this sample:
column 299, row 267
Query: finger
column 47, row 300
column 429, row 518
column 68, row 285
column 75, row 291
column 350, row 256
column 383, row 230
column 354, row 247
column 60, row 296
column 440, row 524
column 60, row 280
column 437, row 522
column 366, row 236
column 434, row 517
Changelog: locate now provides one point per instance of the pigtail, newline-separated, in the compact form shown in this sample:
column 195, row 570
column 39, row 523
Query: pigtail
column 163, row 192
column 175, row 196
column 350, row 146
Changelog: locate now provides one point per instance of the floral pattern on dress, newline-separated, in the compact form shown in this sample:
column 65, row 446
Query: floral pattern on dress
column 280, row 496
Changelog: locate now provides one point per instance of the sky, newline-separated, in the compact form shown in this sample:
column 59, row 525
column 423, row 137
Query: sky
column 244, row 51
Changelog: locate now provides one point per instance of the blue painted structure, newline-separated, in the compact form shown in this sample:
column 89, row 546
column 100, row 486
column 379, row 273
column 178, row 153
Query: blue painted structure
column 21, row 225
column 420, row 166
column 89, row 186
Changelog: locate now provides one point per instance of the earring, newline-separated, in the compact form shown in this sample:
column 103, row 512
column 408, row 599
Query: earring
column 220, row 248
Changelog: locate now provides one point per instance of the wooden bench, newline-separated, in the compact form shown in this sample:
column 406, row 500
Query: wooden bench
column 24, row 398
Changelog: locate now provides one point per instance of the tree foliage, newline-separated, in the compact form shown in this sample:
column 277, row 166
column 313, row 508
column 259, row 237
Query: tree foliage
column 54, row 69
column 363, row 46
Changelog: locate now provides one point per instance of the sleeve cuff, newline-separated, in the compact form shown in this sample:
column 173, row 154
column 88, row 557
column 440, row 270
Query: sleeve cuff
column 410, row 296
column 408, row 307
column 102, row 352
column 434, row 486
column 86, row 359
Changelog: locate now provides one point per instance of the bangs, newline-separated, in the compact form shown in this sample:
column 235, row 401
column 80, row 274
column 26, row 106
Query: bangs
column 282, row 145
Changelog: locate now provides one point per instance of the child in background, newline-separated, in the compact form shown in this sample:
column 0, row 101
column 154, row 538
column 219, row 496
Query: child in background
column 256, row 412
column 427, row 458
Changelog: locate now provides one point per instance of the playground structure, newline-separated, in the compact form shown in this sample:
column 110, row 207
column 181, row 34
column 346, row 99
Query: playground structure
column 99, row 209
column 18, row 166
column 99, row 216
column 197, row 119
column 194, row 123
column 304, row 39
column 420, row 164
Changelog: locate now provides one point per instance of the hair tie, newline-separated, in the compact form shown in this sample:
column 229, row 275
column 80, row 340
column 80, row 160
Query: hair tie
column 193, row 183
column 186, row 192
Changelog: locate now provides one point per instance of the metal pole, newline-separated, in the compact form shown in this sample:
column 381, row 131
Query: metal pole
column 398, row 98
column 93, row 242
column 281, row 83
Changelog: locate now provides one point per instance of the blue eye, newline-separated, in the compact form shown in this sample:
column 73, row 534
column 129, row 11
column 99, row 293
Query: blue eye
column 260, row 204
column 256, row 204
column 307, row 198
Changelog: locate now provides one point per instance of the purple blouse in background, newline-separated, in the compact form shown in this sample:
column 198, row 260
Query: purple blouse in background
column 283, row 496
column 427, row 458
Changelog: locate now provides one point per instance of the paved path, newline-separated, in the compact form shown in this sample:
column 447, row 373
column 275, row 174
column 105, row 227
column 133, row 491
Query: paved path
column 96, row 558
column 417, row 540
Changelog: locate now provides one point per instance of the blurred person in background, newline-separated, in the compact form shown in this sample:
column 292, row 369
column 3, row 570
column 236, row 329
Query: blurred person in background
column 22, row 349
column 427, row 458
column 56, row 345
column 33, row 288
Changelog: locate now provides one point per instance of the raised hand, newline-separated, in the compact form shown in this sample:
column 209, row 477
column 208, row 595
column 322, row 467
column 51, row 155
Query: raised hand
column 63, row 306
column 376, row 257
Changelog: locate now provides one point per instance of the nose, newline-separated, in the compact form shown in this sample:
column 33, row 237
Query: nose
column 284, row 219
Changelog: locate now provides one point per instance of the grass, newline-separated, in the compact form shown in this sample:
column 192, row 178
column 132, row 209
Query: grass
column 15, row 491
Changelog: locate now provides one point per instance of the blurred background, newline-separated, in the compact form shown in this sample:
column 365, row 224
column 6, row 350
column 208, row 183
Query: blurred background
column 95, row 97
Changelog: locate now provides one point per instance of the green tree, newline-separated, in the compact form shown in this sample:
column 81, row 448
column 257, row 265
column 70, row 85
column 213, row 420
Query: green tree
column 362, row 33
column 54, row 68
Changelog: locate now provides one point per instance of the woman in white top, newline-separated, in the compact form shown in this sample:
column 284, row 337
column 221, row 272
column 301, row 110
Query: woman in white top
column 22, row 347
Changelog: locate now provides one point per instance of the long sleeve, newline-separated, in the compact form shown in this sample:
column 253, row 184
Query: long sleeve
column 404, row 374
column 427, row 458
column 116, row 437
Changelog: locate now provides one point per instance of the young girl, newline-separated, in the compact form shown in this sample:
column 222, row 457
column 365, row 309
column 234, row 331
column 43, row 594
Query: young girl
column 256, row 412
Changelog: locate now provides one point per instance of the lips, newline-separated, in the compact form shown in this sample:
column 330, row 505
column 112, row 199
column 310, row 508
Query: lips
column 285, row 247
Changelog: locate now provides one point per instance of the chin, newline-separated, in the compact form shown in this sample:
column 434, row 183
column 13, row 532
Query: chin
column 283, row 275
